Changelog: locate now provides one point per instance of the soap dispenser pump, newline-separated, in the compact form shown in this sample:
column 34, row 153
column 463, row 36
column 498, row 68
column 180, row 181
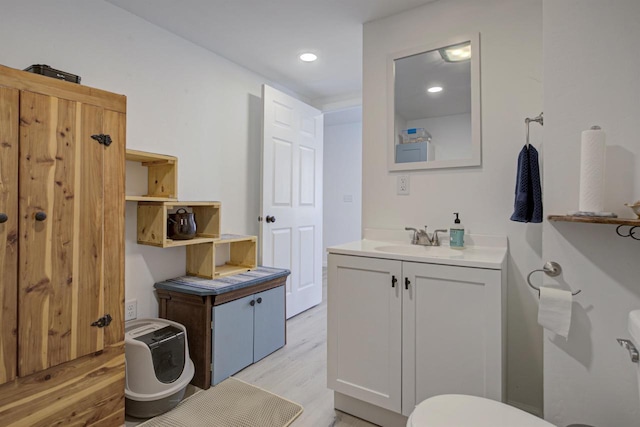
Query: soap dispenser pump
column 456, row 234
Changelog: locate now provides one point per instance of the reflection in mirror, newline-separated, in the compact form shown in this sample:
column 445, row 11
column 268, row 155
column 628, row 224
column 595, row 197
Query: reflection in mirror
column 435, row 113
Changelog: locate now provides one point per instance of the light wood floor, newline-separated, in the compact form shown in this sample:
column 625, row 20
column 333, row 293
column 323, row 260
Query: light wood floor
column 298, row 371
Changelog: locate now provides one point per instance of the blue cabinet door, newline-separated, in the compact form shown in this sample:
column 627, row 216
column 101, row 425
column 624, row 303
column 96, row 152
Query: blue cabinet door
column 269, row 321
column 232, row 338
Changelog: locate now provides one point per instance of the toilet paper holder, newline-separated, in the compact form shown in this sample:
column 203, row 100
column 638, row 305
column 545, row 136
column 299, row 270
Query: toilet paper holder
column 551, row 269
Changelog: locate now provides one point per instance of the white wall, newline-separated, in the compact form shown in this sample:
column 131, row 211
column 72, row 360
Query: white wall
column 181, row 99
column 342, row 218
column 451, row 135
column 511, row 86
column 592, row 76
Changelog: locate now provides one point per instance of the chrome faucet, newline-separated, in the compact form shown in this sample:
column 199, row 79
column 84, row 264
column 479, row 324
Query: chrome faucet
column 421, row 237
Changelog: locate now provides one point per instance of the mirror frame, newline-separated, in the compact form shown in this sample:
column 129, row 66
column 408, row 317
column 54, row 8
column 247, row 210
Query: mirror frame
column 476, row 129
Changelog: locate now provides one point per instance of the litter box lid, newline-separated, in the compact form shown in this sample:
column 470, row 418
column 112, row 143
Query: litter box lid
column 157, row 358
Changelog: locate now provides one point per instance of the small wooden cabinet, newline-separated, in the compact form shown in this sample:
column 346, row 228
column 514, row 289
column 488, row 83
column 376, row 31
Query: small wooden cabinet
column 400, row 332
column 62, row 157
column 225, row 329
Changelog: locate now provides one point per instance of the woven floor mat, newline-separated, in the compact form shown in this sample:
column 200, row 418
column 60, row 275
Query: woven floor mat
column 232, row 403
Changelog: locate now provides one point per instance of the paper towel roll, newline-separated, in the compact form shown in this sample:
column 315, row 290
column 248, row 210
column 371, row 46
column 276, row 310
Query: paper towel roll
column 592, row 165
column 554, row 310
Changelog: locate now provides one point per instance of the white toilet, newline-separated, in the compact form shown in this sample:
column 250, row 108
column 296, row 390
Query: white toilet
column 460, row 410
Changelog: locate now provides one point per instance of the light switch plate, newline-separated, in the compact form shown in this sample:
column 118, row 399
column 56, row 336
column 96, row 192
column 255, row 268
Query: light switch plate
column 403, row 184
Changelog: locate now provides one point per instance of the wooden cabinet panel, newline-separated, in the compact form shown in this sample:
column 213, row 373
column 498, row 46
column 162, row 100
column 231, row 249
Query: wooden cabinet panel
column 9, row 102
column 114, row 225
column 60, row 285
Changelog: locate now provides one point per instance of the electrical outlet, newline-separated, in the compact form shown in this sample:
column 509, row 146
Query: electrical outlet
column 403, row 184
column 130, row 309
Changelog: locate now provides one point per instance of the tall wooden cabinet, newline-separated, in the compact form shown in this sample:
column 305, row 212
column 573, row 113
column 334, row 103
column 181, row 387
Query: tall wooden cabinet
column 62, row 151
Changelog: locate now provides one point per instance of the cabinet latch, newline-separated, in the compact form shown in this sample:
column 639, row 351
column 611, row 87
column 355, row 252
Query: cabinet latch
column 103, row 139
column 103, row 321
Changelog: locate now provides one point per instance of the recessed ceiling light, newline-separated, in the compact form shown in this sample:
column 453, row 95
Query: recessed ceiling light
column 457, row 53
column 308, row 57
column 434, row 89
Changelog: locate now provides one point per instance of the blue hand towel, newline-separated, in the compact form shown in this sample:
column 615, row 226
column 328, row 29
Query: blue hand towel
column 528, row 203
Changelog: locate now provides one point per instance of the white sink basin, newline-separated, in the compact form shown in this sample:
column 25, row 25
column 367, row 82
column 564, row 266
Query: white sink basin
column 419, row 250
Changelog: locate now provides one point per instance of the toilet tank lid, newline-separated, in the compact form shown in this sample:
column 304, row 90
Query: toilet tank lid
column 634, row 326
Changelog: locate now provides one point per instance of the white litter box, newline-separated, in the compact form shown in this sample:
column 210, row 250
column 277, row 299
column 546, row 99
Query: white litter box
column 158, row 367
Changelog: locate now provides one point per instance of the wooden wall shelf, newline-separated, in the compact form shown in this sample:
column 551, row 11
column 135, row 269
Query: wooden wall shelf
column 162, row 176
column 152, row 223
column 595, row 220
column 201, row 259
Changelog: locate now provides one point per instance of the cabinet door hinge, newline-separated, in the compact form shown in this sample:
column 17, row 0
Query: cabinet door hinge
column 103, row 321
column 103, row 139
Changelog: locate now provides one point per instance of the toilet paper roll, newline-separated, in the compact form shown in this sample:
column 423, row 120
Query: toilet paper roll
column 592, row 169
column 554, row 310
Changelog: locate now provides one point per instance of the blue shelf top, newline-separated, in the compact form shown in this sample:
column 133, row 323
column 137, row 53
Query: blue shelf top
column 203, row 287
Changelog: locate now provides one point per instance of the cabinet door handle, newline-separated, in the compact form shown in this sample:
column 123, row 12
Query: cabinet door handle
column 393, row 281
column 252, row 303
column 3, row 218
column 259, row 300
column 407, row 282
column 41, row 216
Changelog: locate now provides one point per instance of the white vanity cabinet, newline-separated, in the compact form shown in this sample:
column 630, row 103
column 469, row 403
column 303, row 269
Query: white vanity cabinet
column 435, row 329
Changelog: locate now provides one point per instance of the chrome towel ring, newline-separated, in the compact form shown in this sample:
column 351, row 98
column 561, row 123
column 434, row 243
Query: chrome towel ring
column 551, row 269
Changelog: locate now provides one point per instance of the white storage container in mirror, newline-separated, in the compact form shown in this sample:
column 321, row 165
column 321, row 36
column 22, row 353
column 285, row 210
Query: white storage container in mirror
column 405, row 325
column 433, row 112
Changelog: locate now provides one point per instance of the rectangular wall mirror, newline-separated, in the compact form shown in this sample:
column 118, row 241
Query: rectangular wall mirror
column 433, row 115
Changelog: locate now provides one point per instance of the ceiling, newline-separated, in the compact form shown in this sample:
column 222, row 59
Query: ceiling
column 266, row 36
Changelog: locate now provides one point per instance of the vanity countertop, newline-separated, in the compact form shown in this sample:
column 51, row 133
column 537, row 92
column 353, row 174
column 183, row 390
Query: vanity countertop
column 482, row 251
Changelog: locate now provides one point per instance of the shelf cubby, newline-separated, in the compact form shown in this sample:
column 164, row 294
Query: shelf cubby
column 152, row 223
column 242, row 256
column 162, row 176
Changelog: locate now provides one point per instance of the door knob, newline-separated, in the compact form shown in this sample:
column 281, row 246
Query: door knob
column 270, row 218
column 41, row 216
column 3, row 218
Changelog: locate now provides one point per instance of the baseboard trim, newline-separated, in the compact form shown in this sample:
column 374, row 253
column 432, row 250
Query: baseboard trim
column 368, row 412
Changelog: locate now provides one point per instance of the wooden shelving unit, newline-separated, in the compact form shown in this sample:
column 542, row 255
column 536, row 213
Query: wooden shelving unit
column 595, row 220
column 162, row 176
column 152, row 222
column 161, row 200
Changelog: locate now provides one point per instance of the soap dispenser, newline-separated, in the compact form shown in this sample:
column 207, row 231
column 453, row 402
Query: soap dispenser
column 456, row 234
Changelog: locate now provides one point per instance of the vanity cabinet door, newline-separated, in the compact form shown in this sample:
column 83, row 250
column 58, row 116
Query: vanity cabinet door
column 452, row 333
column 364, row 329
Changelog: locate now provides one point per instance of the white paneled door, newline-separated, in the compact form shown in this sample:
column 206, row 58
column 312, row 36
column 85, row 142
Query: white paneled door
column 291, row 227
